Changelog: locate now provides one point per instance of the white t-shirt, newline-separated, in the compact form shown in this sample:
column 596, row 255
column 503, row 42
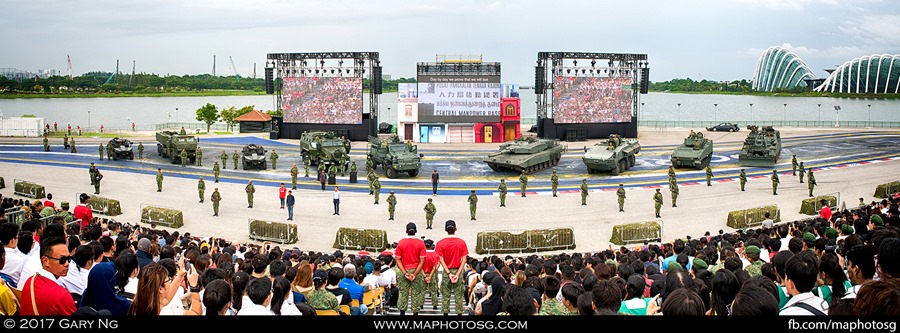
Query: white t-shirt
column 373, row 280
column 390, row 276
column 15, row 259
column 132, row 285
column 32, row 265
column 288, row 308
column 336, row 195
column 75, row 280
column 251, row 309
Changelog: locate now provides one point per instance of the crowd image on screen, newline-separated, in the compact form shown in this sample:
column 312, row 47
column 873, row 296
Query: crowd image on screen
column 592, row 99
column 322, row 100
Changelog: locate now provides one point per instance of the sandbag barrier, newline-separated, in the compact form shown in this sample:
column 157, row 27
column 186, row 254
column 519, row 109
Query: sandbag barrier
column 752, row 217
column 354, row 239
column 495, row 242
column 881, row 191
column 28, row 189
column 163, row 216
column 105, row 206
column 283, row 233
column 639, row 232
column 811, row 206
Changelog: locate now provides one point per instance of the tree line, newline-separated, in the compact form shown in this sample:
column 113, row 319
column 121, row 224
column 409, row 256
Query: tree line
column 679, row 85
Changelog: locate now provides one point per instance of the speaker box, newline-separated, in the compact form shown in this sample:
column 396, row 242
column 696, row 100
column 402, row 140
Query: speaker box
column 376, row 85
column 270, row 84
column 539, row 80
column 645, row 80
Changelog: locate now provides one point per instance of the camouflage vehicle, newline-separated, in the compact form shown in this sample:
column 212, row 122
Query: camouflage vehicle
column 762, row 147
column 695, row 152
column 323, row 147
column 394, row 156
column 526, row 154
column 614, row 155
column 253, row 156
column 171, row 143
column 121, row 149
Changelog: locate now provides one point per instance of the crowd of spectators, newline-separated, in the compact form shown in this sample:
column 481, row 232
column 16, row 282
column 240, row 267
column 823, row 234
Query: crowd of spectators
column 840, row 263
column 322, row 100
column 581, row 100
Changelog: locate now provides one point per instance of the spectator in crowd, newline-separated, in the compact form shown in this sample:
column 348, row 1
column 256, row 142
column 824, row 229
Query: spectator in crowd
column 77, row 277
column 100, row 293
column 335, row 275
column 260, row 293
column 724, row 288
column 549, row 305
column 519, row 302
column 239, row 282
column 41, row 293
column 681, row 302
column 127, row 269
column 878, row 299
column 889, row 258
column 9, row 305
column 355, row 290
column 753, row 301
column 802, row 271
column 217, row 298
column 282, row 302
column 319, row 298
column 303, row 282
column 492, row 302
column 635, row 303
column 860, row 263
column 15, row 259
column 82, row 212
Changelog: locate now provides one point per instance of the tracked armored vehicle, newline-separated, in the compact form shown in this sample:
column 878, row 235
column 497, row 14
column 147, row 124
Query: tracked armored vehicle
column 614, row 155
column 253, row 157
column 171, row 143
column 526, row 154
column 695, row 152
column 762, row 147
column 121, row 149
column 394, row 156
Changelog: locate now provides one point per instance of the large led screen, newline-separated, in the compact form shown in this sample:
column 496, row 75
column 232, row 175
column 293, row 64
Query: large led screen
column 459, row 99
column 578, row 100
column 322, row 100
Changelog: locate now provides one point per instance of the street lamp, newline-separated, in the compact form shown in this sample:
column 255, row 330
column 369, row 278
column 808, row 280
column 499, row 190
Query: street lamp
column 89, row 120
column 869, row 123
column 679, row 114
column 716, row 112
column 751, row 113
column 820, row 112
column 176, row 114
column 784, row 117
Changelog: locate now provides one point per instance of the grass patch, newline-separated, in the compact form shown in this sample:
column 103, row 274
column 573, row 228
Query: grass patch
column 223, row 133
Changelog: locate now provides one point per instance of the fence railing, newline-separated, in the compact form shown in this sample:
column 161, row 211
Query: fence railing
column 643, row 234
column 191, row 127
column 788, row 123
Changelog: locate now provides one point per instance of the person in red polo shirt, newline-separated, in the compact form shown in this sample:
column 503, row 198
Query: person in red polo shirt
column 48, row 202
column 452, row 252
column 410, row 256
column 825, row 212
column 83, row 212
column 41, row 294
column 430, row 268
column 282, row 193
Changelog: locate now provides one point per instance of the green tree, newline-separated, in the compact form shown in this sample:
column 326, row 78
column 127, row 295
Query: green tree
column 208, row 114
column 229, row 114
column 276, row 113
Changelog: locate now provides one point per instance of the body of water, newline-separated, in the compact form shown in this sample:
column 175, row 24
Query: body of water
column 145, row 112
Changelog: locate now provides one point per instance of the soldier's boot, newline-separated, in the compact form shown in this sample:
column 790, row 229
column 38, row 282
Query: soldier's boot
column 429, row 224
column 391, row 218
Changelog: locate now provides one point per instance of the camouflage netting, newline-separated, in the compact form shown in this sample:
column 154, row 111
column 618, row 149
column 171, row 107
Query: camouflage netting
column 882, row 191
column 745, row 218
column 352, row 239
column 811, row 206
column 527, row 241
column 171, row 218
column 30, row 190
column 273, row 231
column 636, row 232
column 104, row 206
column 2, row 183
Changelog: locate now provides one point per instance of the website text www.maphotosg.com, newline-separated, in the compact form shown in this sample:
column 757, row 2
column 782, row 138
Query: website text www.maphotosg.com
column 848, row 325
column 450, row 325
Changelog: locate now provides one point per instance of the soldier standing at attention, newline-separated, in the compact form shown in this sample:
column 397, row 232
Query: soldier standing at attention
column 794, row 165
column 182, row 132
column 435, row 178
column 224, row 157
column 184, row 157
column 216, row 170
column 430, row 210
column 523, row 181
column 321, row 168
column 332, row 171
column 775, row 182
column 201, row 187
column 709, row 176
column 802, row 172
column 235, row 158
column 621, row 194
column 674, row 190
column 66, row 141
column 502, row 189
column 215, row 198
column 274, row 157
column 100, row 150
column 376, row 187
column 371, row 177
column 46, row 143
column 392, row 204
column 250, row 190
column 306, row 167
column 452, row 252
column 743, row 178
column 811, row 181
column 159, row 179
column 109, row 151
column 554, row 182
column 672, row 175
column 369, row 163
column 353, row 169
column 473, row 205
column 584, row 192
column 657, row 201
column 91, row 171
column 199, row 157
column 97, row 177
column 410, row 255
column 74, row 150
column 294, row 173
column 140, row 150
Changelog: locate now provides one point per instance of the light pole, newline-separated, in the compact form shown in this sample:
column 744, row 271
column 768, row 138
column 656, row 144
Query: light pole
column 89, row 120
column 176, row 115
column 716, row 112
column 820, row 112
column 751, row 113
column 679, row 114
column 869, row 123
column 784, row 117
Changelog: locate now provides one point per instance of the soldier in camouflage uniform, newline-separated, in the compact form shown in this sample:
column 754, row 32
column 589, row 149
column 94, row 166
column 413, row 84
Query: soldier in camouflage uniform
column 754, row 269
column 159, row 179
column 554, row 182
column 100, row 151
column 64, row 212
column 224, row 158
column 91, row 172
column 657, row 201
column 376, row 187
column 392, row 204
column 341, row 168
column 72, row 144
column 353, row 168
column 294, row 173
column 794, row 165
column 199, row 157
column 184, row 158
column 215, row 198
column 216, row 171
column 523, row 181
column 674, row 190
column 552, row 307
column 140, row 150
column 109, row 151
column 321, row 169
column 430, row 210
column 235, row 157
column 502, row 189
column 250, row 190
column 201, row 187
column 46, row 143
column 321, row 299
column 369, row 164
column 621, row 194
column 411, row 282
column 743, row 178
column 429, row 275
column 709, row 175
column 672, row 178
column 274, row 157
column 306, row 167
column 371, row 177
column 584, row 192
column 332, row 171
column 97, row 177
column 775, row 182
column 473, row 205
column 802, row 172
column 811, row 182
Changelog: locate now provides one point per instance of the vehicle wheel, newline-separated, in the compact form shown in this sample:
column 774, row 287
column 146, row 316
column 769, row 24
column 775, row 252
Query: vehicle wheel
column 160, row 151
column 413, row 173
column 390, row 172
column 492, row 166
column 244, row 164
column 623, row 165
column 131, row 156
column 263, row 165
column 734, row 129
column 615, row 170
column 193, row 160
column 631, row 160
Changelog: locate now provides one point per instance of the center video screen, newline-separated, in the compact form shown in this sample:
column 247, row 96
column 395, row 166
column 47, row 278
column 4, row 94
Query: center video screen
column 322, row 100
column 459, row 99
column 579, row 100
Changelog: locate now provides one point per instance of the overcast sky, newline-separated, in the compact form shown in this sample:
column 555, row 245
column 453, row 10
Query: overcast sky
column 700, row 39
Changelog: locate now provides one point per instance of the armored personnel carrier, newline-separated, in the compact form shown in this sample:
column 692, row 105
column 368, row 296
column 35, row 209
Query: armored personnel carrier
column 762, row 147
column 121, row 149
column 526, row 154
column 695, row 152
column 614, row 155
column 171, row 143
column 394, row 156
column 253, row 157
column 323, row 147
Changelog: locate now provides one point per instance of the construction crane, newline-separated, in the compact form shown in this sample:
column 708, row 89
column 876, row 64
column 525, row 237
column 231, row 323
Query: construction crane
column 69, row 61
column 114, row 73
column 234, row 69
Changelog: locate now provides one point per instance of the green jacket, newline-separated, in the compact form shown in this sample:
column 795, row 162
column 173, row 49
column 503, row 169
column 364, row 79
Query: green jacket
column 201, row 185
column 430, row 210
column 473, row 199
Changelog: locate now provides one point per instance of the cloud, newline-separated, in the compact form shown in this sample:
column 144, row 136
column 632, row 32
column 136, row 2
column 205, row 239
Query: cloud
column 882, row 30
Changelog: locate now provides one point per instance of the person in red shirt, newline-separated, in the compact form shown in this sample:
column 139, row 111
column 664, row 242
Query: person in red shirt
column 452, row 252
column 410, row 254
column 282, row 193
column 825, row 212
column 48, row 203
column 83, row 212
column 431, row 262
column 41, row 294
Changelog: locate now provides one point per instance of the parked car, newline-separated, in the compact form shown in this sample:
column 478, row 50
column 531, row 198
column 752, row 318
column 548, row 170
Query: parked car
column 724, row 127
